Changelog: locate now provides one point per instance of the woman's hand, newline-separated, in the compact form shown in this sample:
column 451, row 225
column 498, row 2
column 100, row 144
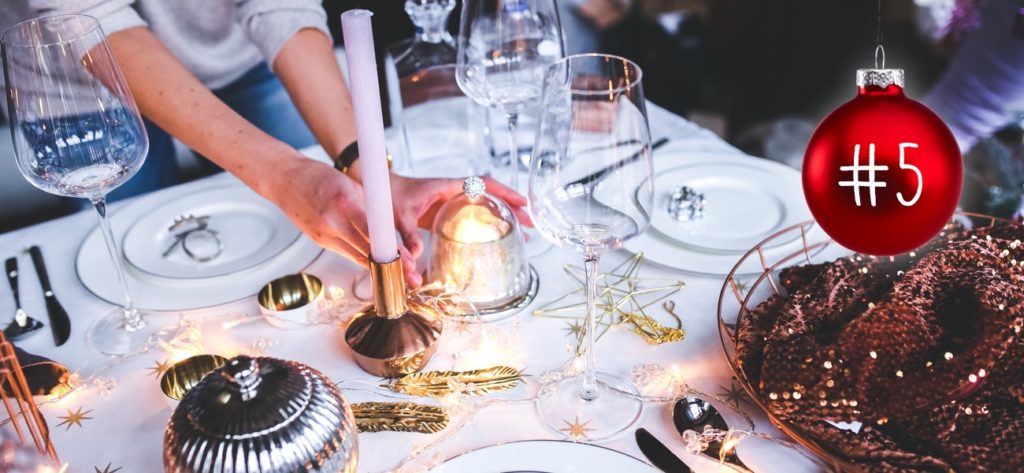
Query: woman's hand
column 416, row 203
column 328, row 207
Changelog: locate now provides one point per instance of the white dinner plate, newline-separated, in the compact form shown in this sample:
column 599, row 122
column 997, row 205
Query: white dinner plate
column 672, row 255
column 544, row 456
column 154, row 293
column 746, row 200
column 251, row 231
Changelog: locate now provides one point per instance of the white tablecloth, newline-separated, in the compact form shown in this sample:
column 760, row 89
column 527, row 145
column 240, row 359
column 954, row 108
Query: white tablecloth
column 125, row 426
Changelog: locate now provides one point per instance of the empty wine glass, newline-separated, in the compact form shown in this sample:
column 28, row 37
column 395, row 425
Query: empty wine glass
column 591, row 189
column 504, row 48
column 77, row 133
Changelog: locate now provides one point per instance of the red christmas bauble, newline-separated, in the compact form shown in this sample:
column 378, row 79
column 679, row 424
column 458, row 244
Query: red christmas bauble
column 882, row 173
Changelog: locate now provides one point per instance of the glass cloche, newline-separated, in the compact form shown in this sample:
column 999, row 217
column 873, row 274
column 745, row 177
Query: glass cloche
column 477, row 249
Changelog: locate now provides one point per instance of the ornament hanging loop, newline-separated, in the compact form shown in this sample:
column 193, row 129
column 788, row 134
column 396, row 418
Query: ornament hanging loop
column 879, row 52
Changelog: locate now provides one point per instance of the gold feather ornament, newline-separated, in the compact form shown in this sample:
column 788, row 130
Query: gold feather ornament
column 442, row 383
column 399, row 417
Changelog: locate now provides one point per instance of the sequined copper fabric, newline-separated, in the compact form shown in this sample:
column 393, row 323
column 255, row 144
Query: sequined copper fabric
column 921, row 354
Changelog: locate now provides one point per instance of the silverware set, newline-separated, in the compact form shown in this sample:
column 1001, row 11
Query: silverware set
column 23, row 325
column 688, row 413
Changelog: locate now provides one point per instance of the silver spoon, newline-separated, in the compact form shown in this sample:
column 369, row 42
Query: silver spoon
column 22, row 324
column 693, row 413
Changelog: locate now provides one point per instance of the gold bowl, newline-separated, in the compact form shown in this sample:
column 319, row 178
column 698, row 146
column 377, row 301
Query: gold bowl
column 187, row 373
column 286, row 301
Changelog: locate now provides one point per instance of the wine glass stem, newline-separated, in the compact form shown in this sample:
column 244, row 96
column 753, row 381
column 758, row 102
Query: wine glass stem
column 132, row 319
column 589, row 390
column 513, row 150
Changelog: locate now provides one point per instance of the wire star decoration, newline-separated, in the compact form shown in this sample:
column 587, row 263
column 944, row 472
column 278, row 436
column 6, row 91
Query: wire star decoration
column 734, row 394
column 159, row 368
column 623, row 298
column 74, row 418
column 576, row 430
column 107, row 468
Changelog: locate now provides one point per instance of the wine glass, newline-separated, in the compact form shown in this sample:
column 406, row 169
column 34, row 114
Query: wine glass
column 591, row 189
column 77, row 133
column 504, row 48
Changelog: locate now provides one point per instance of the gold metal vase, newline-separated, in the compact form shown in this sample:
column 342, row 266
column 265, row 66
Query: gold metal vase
column 397, row 335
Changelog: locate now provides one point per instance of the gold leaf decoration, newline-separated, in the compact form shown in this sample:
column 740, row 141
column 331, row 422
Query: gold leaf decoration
column 472, row 382
column 399, row 417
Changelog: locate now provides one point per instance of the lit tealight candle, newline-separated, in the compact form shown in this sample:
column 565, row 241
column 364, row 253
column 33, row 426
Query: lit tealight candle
column 478, row 250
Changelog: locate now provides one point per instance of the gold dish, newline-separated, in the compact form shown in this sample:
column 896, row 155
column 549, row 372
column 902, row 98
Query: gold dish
column 286, row 301
column 185, row 374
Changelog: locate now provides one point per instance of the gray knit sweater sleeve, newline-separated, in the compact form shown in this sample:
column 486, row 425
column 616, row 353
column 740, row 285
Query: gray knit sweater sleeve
column 114, row 15
column 271, row 23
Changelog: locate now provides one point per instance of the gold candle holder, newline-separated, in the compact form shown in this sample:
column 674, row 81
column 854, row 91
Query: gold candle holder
column 396, row 335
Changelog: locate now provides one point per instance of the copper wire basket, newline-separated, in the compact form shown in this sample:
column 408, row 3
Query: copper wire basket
column 742, row 292
column 22, row 412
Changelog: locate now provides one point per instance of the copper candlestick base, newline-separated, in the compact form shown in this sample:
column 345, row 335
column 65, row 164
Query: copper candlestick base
column 396, row 335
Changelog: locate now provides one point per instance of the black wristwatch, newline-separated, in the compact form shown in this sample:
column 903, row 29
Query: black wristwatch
column 347, row 157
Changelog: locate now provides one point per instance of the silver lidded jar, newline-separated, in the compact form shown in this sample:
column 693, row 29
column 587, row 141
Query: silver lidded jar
column 262, row 415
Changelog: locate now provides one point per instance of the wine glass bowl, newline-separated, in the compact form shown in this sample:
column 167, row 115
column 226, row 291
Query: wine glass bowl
column 77, row 132
column 591, row 189
column 590, row 181
column 80, row 132
column 504, row 49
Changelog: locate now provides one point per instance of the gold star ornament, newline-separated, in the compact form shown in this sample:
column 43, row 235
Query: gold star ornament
column 107, row 469
column 734, row 394
column 74, row 418
column 574, row 328
column 576, row 430
column 159, row 368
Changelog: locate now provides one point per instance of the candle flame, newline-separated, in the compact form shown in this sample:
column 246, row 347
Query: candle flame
column 476, row 224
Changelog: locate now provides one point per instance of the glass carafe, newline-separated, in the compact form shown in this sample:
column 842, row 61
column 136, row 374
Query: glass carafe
column 436, row 127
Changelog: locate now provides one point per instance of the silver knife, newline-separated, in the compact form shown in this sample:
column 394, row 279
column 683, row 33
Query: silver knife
column 60, row 324
column 659, row 455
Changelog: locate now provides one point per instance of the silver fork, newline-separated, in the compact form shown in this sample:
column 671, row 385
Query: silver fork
column 22, row 324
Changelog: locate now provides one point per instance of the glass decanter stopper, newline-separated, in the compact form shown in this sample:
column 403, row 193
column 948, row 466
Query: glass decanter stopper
column 432, row 45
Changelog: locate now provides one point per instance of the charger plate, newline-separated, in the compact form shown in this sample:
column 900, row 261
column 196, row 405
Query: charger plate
column 543, row 456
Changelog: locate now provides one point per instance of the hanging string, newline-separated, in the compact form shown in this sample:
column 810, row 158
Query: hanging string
column 879, row 49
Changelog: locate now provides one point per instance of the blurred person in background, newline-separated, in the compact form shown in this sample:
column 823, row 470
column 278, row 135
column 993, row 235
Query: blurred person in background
column 984, row 84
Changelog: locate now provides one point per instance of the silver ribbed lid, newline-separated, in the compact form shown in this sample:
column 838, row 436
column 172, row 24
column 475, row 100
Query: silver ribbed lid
column 879, row 77
column 261, row 415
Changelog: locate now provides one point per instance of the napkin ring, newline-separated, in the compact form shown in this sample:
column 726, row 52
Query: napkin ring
column 686, row 204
